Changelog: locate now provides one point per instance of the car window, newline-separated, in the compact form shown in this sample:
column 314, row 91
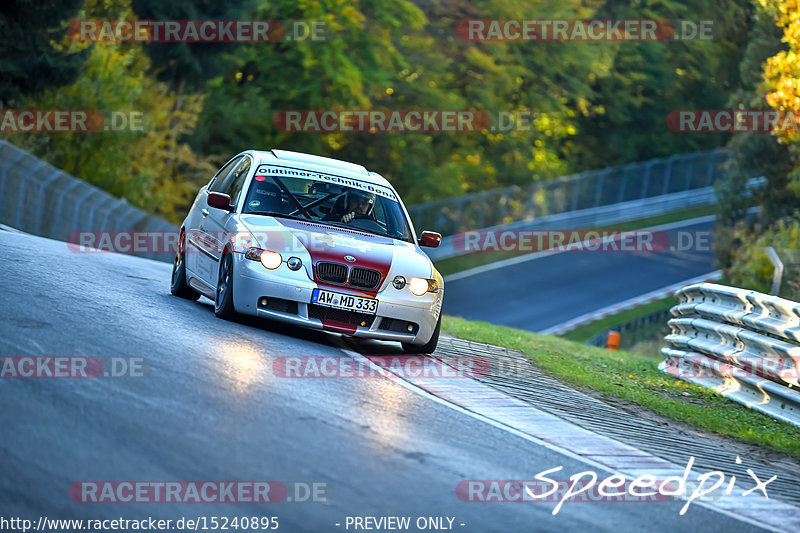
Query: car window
column 220, row 182
column 237, row 177
column 365, row 206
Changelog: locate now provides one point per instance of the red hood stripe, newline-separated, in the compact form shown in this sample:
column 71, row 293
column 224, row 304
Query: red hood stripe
column 331, row 244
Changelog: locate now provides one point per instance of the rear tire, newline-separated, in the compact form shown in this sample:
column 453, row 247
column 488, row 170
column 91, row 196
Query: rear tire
column 223, row 303
column 430, row 346
column 178, row 286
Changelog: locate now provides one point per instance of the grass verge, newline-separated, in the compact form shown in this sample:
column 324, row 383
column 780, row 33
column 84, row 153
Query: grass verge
column 464, row 262
column 636, row 379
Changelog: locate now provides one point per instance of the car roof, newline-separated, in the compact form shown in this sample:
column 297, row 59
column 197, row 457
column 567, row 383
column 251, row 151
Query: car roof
column 319, row 164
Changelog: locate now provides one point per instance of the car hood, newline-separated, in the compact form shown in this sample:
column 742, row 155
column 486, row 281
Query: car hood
column 320, row 242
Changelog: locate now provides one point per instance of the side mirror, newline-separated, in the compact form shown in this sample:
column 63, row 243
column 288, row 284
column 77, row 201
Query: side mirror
column 430, row 239
column 220, row 201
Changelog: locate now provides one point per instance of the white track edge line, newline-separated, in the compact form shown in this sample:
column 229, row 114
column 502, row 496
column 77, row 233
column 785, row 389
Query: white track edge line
column 547, row 253
column 627, row 304
column 530, row 438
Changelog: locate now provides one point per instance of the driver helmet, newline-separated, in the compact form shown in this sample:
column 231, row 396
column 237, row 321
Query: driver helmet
column 363, row 196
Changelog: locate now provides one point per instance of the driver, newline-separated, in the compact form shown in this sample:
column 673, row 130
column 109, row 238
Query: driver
column 358, row 203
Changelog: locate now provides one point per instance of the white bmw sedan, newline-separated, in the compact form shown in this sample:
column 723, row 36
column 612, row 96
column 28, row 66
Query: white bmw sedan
column 312, row 241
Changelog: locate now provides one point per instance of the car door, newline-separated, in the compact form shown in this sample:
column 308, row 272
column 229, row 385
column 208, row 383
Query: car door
column 197, row 246
column 215, row 226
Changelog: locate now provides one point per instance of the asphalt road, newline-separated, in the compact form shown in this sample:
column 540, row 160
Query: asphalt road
column 211, row 409
column 552, row 289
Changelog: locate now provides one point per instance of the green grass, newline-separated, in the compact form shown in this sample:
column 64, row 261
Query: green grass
column 636, row 379
column 587, row 331
column 464, row 262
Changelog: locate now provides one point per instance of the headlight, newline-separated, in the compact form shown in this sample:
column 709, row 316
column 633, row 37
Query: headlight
column 420, row 286
column 271, row 260
column 399, row 282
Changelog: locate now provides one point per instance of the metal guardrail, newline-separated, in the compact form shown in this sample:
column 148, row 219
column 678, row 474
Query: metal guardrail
column 38, row 198
column 578, row 192
column 741, row 343
column 599, row 339
column 593, row 218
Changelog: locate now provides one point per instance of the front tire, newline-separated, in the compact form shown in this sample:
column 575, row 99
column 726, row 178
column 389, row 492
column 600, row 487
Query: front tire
column 430, row 346
column 178, row 286
column 223, row 302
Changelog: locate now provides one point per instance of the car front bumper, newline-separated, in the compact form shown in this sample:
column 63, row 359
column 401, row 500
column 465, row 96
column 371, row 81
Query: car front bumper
column 252, row 282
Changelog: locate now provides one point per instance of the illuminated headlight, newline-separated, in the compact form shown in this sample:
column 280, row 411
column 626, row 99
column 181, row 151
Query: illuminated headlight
column 271, row 260
column 294, row 263
column 399, row 282
column 420, row 286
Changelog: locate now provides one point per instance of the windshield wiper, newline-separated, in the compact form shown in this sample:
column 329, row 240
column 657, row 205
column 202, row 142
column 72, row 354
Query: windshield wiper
column 278, row 215
column 356, row 228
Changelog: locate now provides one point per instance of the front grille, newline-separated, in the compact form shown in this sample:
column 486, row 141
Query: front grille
column 340, row 315
column 332, row 272
column 364, row 278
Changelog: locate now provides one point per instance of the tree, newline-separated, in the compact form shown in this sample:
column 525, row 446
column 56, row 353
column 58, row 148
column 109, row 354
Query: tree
column 399, row 56
column 188, row 66
column 153, row 168
column 769, row 75
column 29, row 63
column 651, row 79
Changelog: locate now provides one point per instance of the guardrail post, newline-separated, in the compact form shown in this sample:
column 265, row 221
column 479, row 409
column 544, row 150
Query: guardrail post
column 689, row 172
column 459, row 216
column 506, row 204
column 5, row 173
column 777, row 275
column 625, row 170
column 668, row 174
column 599, row 191
column 531, row 209
column 712, row 158
column 576, row 187
column 646, row 182
column 482, row 212
column 40, row 204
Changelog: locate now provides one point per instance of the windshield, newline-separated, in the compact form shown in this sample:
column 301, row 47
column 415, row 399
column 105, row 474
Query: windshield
column 328, row 199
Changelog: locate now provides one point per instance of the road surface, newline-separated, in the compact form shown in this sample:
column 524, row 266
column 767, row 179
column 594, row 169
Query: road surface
column 211, row 409
column 554, row 288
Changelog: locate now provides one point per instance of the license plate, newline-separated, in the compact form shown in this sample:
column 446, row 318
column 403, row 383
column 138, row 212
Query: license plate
column 344, row 301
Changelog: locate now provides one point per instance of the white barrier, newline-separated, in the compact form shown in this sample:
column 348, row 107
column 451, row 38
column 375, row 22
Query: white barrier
column 741, row 343
column 37, row 198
